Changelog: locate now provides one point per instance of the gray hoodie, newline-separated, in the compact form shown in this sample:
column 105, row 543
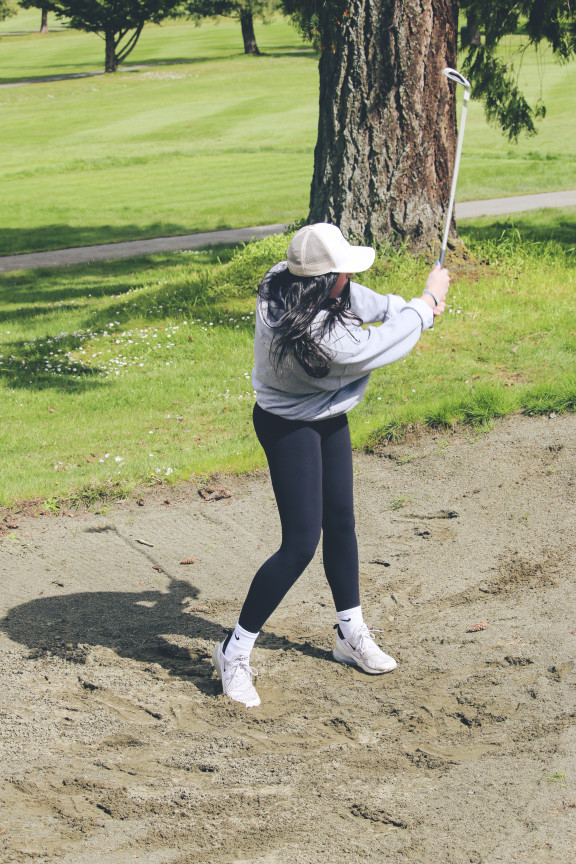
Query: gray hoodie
column 355, row 350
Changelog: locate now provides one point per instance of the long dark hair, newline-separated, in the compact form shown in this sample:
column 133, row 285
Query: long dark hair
column 295, row 301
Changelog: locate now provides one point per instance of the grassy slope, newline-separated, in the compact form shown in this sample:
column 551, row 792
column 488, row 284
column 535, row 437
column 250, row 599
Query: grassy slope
column 215, row 140
column 492, row 167
column 123, row 374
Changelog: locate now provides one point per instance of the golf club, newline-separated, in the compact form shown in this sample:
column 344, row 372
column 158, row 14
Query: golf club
column 458, row 78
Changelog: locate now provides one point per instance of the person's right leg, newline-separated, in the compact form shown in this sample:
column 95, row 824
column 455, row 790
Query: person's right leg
column 293, row 452
column 355, row 643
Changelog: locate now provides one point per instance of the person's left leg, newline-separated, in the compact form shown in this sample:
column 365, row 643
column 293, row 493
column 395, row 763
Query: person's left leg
column 355, row 643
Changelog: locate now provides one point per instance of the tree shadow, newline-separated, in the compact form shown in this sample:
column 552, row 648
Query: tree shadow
column 91, row 72
column 292, row 52
column 107, row 278
column 144, row 626
column 57, row 236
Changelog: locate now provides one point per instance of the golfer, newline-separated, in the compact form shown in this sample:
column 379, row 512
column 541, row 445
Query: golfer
column 313, row 359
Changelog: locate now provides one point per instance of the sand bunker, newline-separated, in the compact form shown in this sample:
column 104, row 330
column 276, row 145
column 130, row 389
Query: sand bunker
column 116, row 743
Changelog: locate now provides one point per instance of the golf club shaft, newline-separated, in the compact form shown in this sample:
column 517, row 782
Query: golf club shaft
column 454, row 178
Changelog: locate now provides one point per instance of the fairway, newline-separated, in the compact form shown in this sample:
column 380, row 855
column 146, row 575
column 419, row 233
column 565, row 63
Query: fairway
column 205, row 138
column 202, row 141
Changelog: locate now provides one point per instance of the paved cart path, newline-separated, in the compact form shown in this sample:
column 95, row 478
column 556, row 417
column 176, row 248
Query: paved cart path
column 86, row 254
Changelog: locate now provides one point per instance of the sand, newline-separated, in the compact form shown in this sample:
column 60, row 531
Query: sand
column 116, row 743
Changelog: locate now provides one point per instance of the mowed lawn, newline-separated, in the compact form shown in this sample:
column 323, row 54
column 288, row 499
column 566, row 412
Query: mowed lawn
column 215, row 140
column 205, row 138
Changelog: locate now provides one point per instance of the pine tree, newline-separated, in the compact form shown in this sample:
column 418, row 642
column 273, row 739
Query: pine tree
column 243, row 10
column 117, row 22
column 387, row 116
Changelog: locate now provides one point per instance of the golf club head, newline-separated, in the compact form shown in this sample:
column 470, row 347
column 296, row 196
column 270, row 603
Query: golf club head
column 457, row 77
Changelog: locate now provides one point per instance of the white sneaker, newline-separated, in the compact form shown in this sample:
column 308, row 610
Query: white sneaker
column 361, row 650
column 236, row 676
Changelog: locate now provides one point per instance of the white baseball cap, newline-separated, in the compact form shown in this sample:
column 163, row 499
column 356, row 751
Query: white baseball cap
column 321, row 248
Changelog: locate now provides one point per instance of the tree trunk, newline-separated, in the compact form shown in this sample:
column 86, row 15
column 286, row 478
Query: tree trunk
column 248, row 35
column 470, row 34
column 44, row 21
column 111, row 61
column 387, row 126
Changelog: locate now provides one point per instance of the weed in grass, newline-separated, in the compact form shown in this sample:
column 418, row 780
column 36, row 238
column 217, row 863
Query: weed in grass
column 442, row 446
column 486, row 403
column 96, row 493
column 545, row 399
column 405, row 460
column 479, row 432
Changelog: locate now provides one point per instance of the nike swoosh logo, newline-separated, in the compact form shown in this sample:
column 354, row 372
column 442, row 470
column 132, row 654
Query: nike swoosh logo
column 237, row 637
column 345, row 619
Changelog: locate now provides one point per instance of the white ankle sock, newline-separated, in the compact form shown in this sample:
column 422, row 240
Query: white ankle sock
column 240, row 643
column 349, row 620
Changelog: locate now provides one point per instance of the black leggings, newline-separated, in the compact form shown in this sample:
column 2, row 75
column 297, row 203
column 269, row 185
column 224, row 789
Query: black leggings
column 311, row 472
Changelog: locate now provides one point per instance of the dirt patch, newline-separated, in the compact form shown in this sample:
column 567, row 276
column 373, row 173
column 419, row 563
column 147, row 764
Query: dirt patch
column 117, row 745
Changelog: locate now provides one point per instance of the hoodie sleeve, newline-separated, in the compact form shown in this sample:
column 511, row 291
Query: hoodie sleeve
column 368, row 304
column 374, row 308
column 357, row 350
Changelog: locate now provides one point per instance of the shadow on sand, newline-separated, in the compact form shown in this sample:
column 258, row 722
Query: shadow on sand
column 148, row 626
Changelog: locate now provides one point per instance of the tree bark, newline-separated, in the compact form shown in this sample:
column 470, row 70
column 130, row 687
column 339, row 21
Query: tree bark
column 248, row 35
column 111, row 61
column 44, row 21
column 387, row 125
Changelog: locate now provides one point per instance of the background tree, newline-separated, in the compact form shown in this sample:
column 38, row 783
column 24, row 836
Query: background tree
column 7, row 9
column 387, row 116
column 244, row 10
column 118, row 22
column 37, row 4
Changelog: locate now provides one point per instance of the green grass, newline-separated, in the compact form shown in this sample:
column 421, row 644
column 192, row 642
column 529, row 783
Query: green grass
column 507, row 342
column 135, row 372
column 204, row 144
column 207, row 138
column 28, row 55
